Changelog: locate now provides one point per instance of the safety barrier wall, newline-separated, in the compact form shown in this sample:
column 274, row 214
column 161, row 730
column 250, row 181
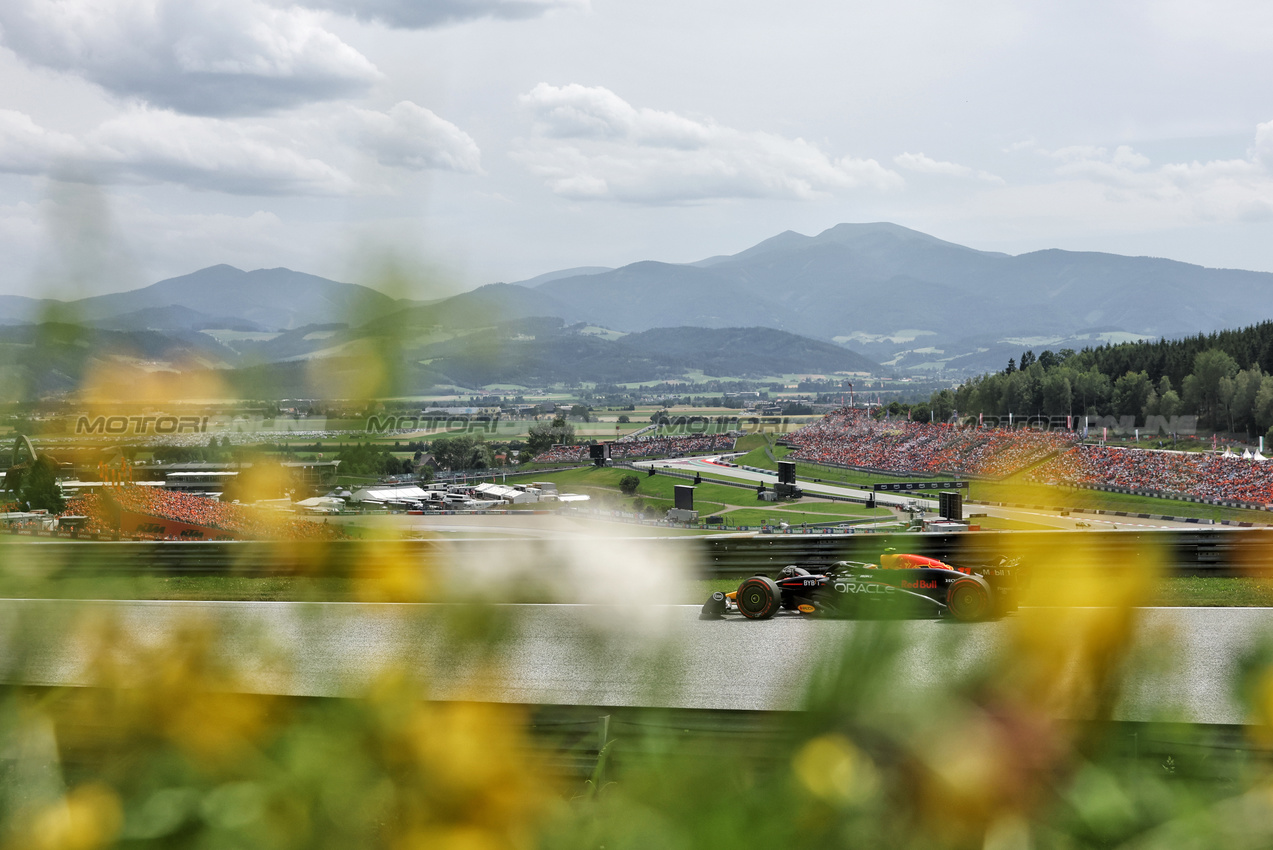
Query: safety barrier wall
column 1202, row 551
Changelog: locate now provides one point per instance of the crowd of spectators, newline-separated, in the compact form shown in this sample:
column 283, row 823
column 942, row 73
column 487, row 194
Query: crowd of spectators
column 854, row 438
column 1203, row 475
column 644, row 447
column 241, row 521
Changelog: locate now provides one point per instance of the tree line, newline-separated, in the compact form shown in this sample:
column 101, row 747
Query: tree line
column 1223, row 378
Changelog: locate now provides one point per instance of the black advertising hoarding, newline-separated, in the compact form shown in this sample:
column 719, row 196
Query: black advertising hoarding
column 951, row 506
column 683, row 497
column 911, row 486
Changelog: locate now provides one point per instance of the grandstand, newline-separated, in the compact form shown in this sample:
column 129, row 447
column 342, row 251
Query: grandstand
column 155, row 514
column 644, row 447
column 852, row 438
column 1195, row 475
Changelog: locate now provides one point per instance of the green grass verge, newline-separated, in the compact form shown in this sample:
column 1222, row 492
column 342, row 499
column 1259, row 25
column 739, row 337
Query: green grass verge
column 1058, row 497
column 994, row 523
column 1217, row 591
column 770, row 516
column 650, row 487
column 602, row 484
column 219, row 588
column 846, row 508
column 751, row 442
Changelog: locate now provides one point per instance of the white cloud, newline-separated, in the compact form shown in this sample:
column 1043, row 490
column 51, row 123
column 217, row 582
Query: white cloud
column 168, row 243
column 922, row 164
column 148, row 145
column 209, row 153
column 620, row 152
column 244, row 158
column 203, row 57
column 1124, row 182
column 410, row 136
column 27, row 148
column 421, row 14
column 1263, row 150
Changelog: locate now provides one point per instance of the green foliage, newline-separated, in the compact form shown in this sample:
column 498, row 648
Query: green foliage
column 1131, row 393
column 368, row 459
column 628, row 484
column 1214, row 385
column 39, row 488
column 543, row 437
column 465, row 451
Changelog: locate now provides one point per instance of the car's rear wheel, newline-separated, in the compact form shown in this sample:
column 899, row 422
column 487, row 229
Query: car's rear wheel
column 758, row 598
column 968, row 598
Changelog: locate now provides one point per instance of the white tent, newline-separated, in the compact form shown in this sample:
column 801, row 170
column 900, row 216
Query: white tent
column 1258, row 456
column 322, row 504
column 388, row 493
column 1246, row 454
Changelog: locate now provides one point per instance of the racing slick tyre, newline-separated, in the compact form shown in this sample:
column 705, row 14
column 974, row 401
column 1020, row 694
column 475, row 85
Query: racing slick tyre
column 758, row 598
column 968, row 599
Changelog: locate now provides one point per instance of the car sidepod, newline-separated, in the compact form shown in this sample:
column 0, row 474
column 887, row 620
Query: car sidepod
column 1004, row 580
column 900, row 593
column 802, row 593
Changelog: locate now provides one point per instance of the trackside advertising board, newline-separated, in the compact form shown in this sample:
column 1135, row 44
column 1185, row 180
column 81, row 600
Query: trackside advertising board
column 905, row 486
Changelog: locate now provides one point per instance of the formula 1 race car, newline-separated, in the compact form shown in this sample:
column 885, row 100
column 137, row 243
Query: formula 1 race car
column 900, row 585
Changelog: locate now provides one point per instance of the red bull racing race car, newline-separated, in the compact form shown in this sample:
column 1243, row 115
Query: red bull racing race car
column 900, row 585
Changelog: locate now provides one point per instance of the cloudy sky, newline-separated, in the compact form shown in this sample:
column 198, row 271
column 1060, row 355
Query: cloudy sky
column 468, row 141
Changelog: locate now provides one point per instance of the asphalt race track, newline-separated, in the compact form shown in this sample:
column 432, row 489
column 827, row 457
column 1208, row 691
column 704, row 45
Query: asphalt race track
column 597, row 655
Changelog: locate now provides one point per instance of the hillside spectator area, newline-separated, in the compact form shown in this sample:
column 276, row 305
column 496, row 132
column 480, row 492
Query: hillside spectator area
column 852, row 438
column 643, row 447
column 239, row 520
column 1208, row 475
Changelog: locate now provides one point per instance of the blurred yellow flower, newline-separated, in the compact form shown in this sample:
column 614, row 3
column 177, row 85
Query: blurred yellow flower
column 832, row 768
column 87, row 818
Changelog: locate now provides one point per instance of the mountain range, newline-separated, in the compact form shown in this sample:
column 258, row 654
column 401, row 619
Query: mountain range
column 846, row 300
column 216, row 297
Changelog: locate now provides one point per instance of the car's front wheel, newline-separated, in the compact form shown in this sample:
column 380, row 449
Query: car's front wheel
column 968, row 598
column 758, row 598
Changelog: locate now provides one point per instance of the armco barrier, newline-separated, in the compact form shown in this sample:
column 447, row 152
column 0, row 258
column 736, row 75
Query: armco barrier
column 1200, row 551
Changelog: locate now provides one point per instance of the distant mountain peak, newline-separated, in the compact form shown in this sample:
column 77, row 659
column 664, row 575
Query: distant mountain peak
column 850, row 232
column 219, row 268
column 578, row 271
